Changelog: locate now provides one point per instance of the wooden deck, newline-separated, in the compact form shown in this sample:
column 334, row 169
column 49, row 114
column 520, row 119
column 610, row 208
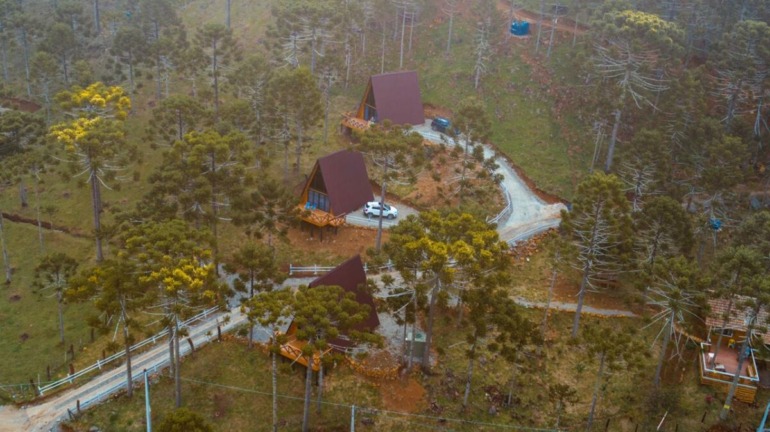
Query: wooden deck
column 723, row 374
column 354, row 123
column 320, row 218
column 292, row 350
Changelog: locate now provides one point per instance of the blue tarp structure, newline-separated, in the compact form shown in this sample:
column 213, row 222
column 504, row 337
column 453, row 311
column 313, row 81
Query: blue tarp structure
column 520, row 28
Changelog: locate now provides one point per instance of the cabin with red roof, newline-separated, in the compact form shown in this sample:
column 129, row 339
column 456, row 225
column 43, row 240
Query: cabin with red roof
column 351, row 276
column 718, row 367
column 338, row 185
column 391, row 96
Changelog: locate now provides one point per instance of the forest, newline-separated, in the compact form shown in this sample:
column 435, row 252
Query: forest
column 585, row 248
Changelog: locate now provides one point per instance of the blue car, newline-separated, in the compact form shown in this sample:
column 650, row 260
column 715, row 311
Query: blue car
column 440, row 124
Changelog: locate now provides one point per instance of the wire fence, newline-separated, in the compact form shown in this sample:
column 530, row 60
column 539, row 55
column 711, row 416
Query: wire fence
column 100, row 363
column 506, row 211
column 317, row 269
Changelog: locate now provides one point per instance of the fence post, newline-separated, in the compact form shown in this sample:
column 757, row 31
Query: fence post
column 291, row 272
column 48, row 372
column 78, row 405
column 315, row 269
column 99, row 364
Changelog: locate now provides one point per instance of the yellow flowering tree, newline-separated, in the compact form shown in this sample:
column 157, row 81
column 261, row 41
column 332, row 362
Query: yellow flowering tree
column 185, row 285
column 94, row 141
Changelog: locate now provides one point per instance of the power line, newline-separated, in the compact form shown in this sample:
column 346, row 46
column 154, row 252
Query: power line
column 376, row 410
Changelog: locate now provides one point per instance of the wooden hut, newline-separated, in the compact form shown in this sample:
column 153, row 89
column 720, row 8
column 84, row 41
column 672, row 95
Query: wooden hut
column 719, row 372
column 351, row 276
column 391, row 96
column 337, row 185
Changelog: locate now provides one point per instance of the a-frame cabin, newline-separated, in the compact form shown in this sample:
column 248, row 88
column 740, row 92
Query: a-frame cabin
column 351, row 276
column 391, row 96
column 338, row 185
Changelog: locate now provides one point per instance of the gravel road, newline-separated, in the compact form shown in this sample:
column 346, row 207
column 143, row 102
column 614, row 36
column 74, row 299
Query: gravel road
column 530, row 215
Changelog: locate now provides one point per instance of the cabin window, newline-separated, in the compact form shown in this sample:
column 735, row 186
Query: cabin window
column 726, row 332
column 318, row 200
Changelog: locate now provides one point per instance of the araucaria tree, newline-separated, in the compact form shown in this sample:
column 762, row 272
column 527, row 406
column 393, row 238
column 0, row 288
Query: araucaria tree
column 217, row 42
column 632, row 46
column 95, row 140
column 598, row 231
column 394, row 152
column 296, row 105
column 321, row 314
column 54, row 272
column 272, row 310
column 116, row 294
column 439, row 246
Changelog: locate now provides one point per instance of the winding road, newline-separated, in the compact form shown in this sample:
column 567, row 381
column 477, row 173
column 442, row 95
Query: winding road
column 529, row 215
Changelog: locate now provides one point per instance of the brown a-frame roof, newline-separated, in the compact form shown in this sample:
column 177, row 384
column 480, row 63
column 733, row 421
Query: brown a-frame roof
column 347, row 182
column 351, row 277
column 397, row 97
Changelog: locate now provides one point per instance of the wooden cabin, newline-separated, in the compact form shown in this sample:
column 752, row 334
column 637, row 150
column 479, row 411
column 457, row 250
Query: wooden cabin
column 338, row 185
column 351, row 276
column 719, row 372
column 391, row 96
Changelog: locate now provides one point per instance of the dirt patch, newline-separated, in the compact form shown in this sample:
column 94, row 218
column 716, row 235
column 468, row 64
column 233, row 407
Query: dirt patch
column 14, row 298
column 567, row 291
column 438, row 184
column 20, row 104
column 402, row 396
column 348, row 240
column 432, row 111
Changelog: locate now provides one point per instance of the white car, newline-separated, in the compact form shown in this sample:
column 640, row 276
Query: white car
column 374, row 208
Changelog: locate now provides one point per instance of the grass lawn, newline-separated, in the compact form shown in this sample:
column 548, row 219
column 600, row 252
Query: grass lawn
column 28, row 320
column 235, row 395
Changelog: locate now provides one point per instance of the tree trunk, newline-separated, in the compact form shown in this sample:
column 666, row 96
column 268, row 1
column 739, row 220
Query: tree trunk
column 127, row 343
column 724, row 324
column 597, row 389
column 544, row 326
column 25, row 53
column 401, row 55
column 664, row 348
column 741, row 359
column 378, row 242
column 215, row 70
column 97, row 19
column 539, row 25
column 429, row 330
column 37, row 214
column 382, row 52
column 96, row 204
column 229, row 4
column 4, row 47
column 299, row 146
column 449, row 37
column 60, row 301
column 308, row 382
column 131, row 73
column 581, row 296
column 23, row 194
column 158, row 79
column 177, row 367
column 6, row 260
column 414, row 335
column 65, row 69
column 553, row 32
column 469, row 377
column 613, row 141
column 274, row 372
column 320, row 384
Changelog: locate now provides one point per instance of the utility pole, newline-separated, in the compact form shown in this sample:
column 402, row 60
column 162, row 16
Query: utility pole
column 353, row 418
column 147, row 408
